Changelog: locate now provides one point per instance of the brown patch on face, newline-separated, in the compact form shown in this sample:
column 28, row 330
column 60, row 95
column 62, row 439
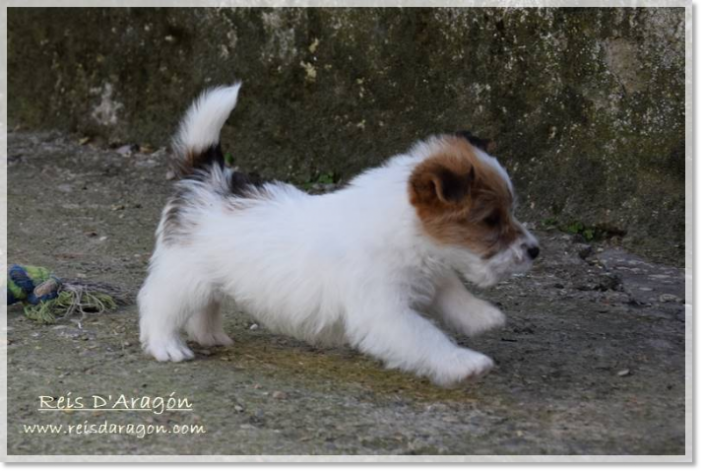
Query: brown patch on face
column 463, row 201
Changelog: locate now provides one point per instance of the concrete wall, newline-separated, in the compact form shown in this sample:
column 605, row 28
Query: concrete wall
column 586, row 105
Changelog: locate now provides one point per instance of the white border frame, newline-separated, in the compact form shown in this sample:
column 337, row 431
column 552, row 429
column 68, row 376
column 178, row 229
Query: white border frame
column 687, row 457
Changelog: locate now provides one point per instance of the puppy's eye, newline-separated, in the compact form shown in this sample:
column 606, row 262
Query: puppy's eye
column 493, row 219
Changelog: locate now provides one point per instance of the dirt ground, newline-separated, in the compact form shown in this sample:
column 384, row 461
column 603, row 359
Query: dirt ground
column 590, row 362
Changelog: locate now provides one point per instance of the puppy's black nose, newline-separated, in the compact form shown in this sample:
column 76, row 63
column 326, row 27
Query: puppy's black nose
column 533, row 252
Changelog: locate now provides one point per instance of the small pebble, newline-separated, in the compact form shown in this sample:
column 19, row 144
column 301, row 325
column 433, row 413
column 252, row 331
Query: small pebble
column 670, row 298
column 279, row 395
column 624, row 372
column 127, row 150
column 238, row 408
column 254, row 327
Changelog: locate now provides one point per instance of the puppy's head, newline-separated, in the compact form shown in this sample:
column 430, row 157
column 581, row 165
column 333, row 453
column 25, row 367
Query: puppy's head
column 464, row 200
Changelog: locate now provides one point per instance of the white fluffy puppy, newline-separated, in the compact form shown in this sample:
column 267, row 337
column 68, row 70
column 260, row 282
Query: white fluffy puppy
column 361, row 265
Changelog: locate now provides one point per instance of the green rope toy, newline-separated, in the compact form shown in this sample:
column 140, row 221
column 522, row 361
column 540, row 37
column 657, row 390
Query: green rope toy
column 46, row 297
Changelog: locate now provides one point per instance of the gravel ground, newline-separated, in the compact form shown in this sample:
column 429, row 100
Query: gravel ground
column 591, row 360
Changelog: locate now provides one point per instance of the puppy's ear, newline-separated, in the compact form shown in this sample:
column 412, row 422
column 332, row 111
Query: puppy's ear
column 437, row 184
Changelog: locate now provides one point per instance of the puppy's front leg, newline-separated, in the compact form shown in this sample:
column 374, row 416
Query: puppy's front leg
column 403, row 339
column 462, row 310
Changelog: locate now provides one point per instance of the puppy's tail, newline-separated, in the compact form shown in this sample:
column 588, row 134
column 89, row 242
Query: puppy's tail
column 197, row 143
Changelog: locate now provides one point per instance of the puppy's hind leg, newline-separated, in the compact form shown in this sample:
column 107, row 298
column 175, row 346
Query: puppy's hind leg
column 172, row 293
column 205, row 327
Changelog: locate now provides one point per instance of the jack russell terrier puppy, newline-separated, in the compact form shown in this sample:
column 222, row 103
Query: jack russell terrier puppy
column 364, row 265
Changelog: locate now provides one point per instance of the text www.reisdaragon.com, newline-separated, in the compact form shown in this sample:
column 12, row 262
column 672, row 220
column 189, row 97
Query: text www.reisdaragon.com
column 111, row 428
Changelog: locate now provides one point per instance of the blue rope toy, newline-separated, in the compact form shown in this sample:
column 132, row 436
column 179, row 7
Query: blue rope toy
column 45, row 296
column 31, row 284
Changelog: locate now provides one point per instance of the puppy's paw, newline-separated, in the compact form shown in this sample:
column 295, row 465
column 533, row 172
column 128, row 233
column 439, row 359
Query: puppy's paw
column 463, row 365
column 169, row 350
column 481, row 316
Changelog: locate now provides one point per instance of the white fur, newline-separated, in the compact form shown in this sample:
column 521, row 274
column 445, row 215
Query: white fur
column 203, row 121
column 351, row 266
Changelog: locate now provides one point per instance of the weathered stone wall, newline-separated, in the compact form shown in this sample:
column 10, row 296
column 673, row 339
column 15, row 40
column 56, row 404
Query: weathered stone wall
column 586, row 105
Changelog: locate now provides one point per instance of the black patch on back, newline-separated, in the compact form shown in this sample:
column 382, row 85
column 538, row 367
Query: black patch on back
column 192, row 164
column 174, row 226
column 241, row 184
column 210, row 157
column 480, row 143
